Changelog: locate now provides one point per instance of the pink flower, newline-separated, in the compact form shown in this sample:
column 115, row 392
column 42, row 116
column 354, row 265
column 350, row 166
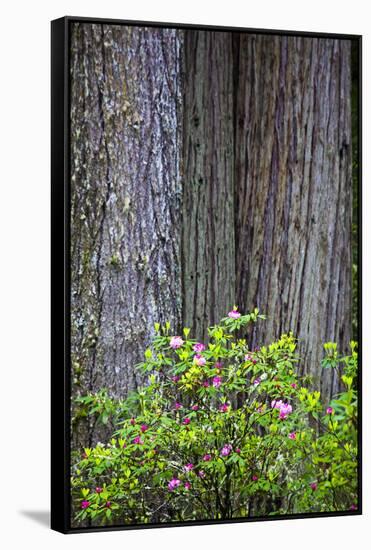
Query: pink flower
column 98, row 490
column 188, row 467
column 293, row 385
column 314, row 486
column 248, row 357
column 138, row 440
column 195, row 407
column 284, row 408
column 218, row 365
column 329, row 410
column 178, row 405
column 238, row 450
column 353, row 507
column 187, row 485
column 173, row 484
column 201, row 474
column 292, row 435
column 132, row 421
column 205, row 384
column 217, row 381
column 143, row 428
column 234, row 314
column 186, row 420
column 85, row 504
column 199, row 360
column 199, row 347
column 254, row 477
column 108, row 504
column 176, row 342
column 257, row 381
column 175, row 378
column 226, row 450
column 224, row 407
column 207, row 458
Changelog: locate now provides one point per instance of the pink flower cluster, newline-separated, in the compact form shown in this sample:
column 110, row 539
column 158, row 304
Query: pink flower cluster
column 188, row 467
column 199, row 347
column 217, row 381
column 176, row 342
column 199, row 360
column 226, row 450
column 224, row 408
column 234, row 314
column 173, row 484
column 207, row 457
column 284, row 408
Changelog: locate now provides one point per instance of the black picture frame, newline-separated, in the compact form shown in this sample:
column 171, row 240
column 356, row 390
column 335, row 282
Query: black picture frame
column 60, row 271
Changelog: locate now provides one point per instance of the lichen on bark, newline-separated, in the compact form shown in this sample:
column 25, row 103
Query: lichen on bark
column 126, row 134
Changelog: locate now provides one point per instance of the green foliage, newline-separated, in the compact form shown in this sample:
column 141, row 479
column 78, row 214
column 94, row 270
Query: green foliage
column 220, row 431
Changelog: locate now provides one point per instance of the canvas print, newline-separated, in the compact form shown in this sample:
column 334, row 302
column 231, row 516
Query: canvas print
column 214, row 286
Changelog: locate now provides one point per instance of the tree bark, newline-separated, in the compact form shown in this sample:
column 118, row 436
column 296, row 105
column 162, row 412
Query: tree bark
column 293, row 191
column 126, row 136
column 208, row 252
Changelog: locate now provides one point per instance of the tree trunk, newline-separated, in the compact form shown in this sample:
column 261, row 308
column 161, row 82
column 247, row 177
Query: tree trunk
column 208, row 254
column 126, row 136
column 293, row 191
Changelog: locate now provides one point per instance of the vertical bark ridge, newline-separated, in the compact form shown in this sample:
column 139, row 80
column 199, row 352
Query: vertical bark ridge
column 208, row 270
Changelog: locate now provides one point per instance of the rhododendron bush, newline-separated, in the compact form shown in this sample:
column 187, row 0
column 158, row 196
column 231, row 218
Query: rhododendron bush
column 221, row 431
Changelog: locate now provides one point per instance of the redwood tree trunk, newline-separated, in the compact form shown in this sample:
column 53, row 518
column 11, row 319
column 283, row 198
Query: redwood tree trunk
column 208, row 251
column 293, row 191
column 126, row 136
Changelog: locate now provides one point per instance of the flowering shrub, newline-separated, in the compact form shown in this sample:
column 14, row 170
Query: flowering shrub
column 222, row 431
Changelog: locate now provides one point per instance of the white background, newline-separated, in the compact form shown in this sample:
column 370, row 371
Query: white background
column 24, row 275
